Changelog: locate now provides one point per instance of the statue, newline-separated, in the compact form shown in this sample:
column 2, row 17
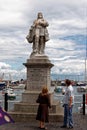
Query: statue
column 38, row 34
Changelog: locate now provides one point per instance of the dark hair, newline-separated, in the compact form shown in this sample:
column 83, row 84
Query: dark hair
column 68, row 82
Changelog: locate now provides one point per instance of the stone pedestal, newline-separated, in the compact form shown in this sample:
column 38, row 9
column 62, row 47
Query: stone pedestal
column 38, row 75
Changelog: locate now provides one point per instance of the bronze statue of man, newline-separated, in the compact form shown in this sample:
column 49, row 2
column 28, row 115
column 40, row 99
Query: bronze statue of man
column 38, row 34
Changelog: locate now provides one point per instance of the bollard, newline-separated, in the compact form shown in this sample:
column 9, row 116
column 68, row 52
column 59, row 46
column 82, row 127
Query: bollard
column 86, row 99
column 83, row 104
column 6, row 102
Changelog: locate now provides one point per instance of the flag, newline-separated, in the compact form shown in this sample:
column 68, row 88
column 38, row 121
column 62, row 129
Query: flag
column 5, row 117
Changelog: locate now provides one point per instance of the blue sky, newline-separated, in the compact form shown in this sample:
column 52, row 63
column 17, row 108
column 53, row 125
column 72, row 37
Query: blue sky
column 67, row 30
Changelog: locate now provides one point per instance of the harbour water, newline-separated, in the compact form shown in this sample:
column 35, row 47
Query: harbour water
column 18, row 93
column 57, row 96
column 78, row 98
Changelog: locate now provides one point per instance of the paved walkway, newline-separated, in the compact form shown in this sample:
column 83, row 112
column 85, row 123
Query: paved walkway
column 80, row 123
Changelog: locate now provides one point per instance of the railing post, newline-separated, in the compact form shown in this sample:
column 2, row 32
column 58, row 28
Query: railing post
column 83, row 104
column 6, row 102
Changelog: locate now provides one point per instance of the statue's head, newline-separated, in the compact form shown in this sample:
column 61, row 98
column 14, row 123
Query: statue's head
column 40, row 15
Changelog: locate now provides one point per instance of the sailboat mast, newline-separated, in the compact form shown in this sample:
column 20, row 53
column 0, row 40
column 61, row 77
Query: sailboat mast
column 85, row 72
column 86, row 57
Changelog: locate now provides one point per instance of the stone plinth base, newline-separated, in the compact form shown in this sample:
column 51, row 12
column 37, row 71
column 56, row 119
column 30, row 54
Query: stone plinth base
column 24, row 112
column 31, row 96
column 38, row 73
column 32, row 108
column 31, row 117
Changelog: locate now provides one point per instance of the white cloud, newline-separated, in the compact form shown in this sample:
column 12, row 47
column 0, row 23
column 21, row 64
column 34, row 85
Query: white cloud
column 4, row 65
column 70, row 66
column 6, row 72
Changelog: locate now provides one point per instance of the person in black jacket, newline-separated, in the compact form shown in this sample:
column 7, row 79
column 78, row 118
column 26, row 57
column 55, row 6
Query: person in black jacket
column 43, row 108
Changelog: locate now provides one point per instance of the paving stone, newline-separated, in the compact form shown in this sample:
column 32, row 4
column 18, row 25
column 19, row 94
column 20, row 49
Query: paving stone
column 80, row 123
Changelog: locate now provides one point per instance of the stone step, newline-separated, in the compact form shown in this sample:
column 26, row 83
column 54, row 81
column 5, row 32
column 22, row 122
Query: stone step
column 32, row 108
column 31, row 96
column 31, row 117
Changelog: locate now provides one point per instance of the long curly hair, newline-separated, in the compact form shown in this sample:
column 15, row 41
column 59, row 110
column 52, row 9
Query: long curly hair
column 44, row 90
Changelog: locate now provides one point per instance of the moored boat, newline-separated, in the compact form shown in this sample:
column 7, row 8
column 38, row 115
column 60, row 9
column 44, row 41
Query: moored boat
column 19, row 86
column 2, row 85
column 58, row 89
column 10, row 93
column 82, row 89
